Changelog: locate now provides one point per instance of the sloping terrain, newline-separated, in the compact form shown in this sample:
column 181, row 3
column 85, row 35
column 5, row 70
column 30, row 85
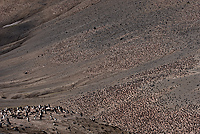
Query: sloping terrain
column 132, row 64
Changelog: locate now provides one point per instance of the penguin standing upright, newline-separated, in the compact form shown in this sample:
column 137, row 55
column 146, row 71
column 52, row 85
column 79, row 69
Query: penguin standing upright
column 28, row 119
column 8, row 121
column 0, row 124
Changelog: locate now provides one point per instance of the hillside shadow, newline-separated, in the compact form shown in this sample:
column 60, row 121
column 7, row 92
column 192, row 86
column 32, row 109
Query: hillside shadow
column 13, row 36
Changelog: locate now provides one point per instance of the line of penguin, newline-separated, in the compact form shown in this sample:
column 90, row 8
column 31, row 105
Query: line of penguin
column 37, row 112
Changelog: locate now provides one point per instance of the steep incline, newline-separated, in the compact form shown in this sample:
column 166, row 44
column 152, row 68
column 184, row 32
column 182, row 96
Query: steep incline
column 107, row 66
column 70, row 47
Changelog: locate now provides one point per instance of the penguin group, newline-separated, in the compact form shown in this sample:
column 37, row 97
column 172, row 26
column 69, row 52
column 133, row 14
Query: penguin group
column 29, row 113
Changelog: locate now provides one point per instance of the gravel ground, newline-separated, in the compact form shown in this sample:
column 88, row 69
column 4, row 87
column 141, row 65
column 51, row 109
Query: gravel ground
column 115, row 66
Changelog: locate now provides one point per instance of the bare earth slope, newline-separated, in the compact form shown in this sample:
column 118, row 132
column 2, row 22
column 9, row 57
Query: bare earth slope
column 120, row 65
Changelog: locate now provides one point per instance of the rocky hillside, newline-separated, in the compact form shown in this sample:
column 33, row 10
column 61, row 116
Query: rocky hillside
column 130, row 66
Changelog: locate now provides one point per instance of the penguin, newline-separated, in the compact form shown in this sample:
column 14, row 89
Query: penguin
column 45, row 111
column 39, row 106
column 48, row 105
column 51, row 117
column 35, row 117
column 8, row 121
column 40, row 116
column 26, row 113
column 4, row 116
column 28, row 119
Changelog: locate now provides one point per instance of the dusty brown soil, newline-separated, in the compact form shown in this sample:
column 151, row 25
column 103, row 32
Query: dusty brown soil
column 134, row 66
